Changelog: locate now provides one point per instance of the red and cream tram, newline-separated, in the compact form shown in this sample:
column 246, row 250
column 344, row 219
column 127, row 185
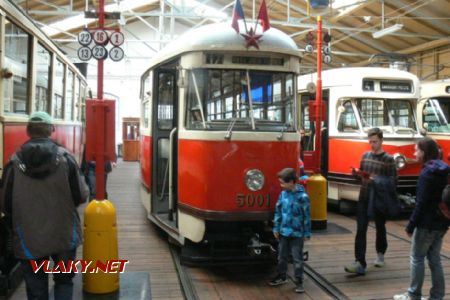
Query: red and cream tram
column 357, row 99
column 218, row 123
column 433, row 113
column 36, row 75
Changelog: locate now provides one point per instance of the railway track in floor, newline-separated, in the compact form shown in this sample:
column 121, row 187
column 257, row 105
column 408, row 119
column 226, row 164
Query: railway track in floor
column 190, row 293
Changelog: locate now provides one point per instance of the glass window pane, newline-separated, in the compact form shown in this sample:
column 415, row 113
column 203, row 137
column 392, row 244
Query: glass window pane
column 347, row 119
column 76, row 112
column 69, row 96
column 43, row 68
column 15, row 89
column 58, row 89
column 165, row 100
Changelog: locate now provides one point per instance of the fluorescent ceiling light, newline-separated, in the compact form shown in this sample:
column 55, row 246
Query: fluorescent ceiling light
column 388, row 30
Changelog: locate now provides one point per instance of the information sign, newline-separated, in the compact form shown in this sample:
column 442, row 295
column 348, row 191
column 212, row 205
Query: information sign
column 117, row 38
column 99, row 52
column 84, row 38
column 84, row 53
column 100, row 37
column 116, row 54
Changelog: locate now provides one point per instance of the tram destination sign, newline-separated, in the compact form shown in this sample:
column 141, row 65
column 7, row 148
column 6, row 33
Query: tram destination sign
column 395, row 86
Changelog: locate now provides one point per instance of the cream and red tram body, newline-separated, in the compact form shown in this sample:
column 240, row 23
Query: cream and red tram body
column 357, row 99
column 218, row 123
column 433, row 113
column 36, row 75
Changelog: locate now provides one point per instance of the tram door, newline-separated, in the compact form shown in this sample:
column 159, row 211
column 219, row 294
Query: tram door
column 165, row 141
column 308, row 140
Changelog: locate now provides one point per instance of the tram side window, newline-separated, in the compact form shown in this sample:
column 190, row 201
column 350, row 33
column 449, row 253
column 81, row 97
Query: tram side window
column 77, row 99
column 15, row 89
column 43, row 68
column 83, row 95
column 347, row 119
column 165, row 100
column 69, row 96
column 58, row 88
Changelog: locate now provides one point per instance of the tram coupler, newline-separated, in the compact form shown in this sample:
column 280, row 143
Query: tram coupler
column 256, row 248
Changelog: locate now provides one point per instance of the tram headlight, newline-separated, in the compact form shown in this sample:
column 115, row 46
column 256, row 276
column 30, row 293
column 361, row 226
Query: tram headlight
column 400, row 161
column 254, row 179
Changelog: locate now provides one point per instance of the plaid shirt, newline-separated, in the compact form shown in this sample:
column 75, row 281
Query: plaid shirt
column 375, row 164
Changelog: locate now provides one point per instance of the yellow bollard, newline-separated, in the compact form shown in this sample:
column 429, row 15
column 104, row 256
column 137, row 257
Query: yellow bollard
column 100, row 244
column 317, row 192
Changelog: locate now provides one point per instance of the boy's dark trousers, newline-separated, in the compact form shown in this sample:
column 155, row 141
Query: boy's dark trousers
column 295, row 246
column 361, row 233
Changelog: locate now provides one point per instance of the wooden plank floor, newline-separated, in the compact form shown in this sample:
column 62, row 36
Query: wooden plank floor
column 330, row 253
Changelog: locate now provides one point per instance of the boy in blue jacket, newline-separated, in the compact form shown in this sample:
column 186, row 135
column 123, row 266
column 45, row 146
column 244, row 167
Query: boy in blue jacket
column 292, row 225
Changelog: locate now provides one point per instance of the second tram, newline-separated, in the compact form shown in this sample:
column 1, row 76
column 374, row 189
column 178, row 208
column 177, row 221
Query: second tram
column 357, row 99
column 218, row 123
column 434, row 113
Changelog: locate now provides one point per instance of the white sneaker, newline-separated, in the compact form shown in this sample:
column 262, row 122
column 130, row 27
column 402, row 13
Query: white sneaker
column 379, row 261
column 405, row 296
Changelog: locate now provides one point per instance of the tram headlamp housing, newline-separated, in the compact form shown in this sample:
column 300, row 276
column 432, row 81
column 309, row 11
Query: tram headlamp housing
column 400, row 161
column 254, row 180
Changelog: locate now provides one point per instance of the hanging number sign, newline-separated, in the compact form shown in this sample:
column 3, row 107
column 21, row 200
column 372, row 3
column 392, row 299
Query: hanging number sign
column 84, row 38
column 100, row 37
column 116, row 54
column 84, row 53
column 117, row 38
column 99, row 52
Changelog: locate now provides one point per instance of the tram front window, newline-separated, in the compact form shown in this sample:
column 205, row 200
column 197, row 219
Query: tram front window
column 243, row 100
column 392, row 116
column 436, row 113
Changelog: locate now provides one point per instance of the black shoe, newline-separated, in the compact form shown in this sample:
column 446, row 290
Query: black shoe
column 278, row 280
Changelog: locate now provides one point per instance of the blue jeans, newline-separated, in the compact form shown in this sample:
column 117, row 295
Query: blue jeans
column 295, row 245
column 427, row 243
column 91, row 181
column 37, row 284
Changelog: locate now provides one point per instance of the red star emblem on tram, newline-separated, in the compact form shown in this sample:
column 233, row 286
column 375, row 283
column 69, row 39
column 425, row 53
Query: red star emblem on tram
column 251, row 38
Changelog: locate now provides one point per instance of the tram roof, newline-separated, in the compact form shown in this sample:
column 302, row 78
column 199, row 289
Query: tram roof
column 437, row 88
column 222, row 37
column 342, row 76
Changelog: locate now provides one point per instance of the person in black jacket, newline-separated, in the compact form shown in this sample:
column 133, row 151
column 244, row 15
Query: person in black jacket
column 426, row 226
column 41, row 189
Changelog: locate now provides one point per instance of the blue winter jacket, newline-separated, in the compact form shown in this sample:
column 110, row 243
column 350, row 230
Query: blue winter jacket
column 431, row 183
column 292, row 214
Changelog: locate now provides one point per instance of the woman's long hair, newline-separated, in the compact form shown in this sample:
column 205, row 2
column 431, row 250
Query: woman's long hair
column 430, row 149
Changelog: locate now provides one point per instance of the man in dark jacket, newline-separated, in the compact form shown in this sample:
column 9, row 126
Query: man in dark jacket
column 373, row 163
column 42, row 186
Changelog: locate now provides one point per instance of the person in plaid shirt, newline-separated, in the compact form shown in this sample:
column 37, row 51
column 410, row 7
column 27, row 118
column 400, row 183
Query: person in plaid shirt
column 373, row 163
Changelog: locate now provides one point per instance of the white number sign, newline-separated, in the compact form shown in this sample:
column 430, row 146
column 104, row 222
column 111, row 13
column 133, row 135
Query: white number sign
column 99, row 52
column 117, row 38
column 116, row 54
column 84, row 53
column 84, row 38
column 100, row 37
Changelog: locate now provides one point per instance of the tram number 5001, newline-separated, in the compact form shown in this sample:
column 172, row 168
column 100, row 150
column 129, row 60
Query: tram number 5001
column 249, row 200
